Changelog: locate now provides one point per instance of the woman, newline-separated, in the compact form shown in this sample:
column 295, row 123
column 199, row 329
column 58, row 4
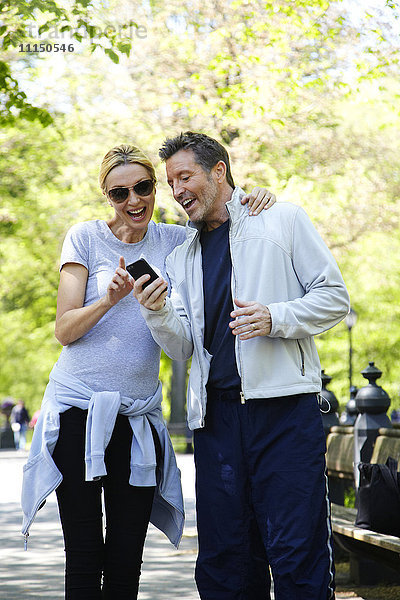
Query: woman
column 88, row 440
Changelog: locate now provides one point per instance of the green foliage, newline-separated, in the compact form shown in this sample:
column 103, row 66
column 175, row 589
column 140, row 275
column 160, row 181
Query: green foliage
column 292, row 89
column 29, row 249
column 78, row 20
column 350, row 497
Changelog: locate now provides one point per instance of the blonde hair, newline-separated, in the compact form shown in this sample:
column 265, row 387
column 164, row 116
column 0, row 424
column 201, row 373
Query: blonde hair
column 124, row 155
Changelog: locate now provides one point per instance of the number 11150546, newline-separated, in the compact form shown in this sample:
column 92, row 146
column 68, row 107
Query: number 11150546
column 46, row 47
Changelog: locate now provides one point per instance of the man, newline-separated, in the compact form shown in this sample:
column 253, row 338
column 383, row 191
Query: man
column 248, row 295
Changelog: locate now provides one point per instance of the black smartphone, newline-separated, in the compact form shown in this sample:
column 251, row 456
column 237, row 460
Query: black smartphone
column 142, row 267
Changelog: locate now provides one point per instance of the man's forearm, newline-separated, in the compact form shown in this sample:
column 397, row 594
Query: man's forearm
column 313, row 314
column 170, row 330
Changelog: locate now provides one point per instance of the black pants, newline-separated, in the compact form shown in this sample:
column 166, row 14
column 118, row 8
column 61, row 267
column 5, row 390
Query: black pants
column 89, row 557
column 261, row 499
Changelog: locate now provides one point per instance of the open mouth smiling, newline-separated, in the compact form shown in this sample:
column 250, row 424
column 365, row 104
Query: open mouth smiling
column 188, row 203
column 137, row 214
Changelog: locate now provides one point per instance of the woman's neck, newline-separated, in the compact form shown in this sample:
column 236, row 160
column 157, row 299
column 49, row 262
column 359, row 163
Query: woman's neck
column 125, row 233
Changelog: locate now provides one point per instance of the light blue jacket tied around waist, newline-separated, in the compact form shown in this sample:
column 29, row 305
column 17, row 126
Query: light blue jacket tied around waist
column 41, row 475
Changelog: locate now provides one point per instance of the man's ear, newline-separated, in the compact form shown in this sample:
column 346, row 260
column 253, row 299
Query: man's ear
column 219, row 171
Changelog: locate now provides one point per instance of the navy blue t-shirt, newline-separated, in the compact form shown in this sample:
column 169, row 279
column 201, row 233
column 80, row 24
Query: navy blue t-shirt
column 218, row 337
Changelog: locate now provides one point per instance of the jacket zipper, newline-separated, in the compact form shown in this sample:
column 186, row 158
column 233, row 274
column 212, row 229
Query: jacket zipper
column 303, row 369
column 35, row 511
column 192, row 320
column 242, row 396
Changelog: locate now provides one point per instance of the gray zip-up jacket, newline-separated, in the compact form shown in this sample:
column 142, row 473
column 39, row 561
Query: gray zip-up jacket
column 41, row 475
column 279, row 260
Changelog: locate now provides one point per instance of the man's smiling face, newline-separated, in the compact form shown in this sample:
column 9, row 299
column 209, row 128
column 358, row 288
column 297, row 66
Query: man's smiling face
column 195, row 189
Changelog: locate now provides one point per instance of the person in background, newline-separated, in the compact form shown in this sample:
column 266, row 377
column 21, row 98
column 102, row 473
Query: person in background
column 100, row 429
column 248, row 295
column 19, row 420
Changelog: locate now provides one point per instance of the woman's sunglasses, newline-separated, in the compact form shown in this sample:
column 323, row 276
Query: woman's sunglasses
column 143, row 188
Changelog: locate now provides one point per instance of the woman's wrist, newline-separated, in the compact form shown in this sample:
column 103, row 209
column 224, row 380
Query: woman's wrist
column 105, row 303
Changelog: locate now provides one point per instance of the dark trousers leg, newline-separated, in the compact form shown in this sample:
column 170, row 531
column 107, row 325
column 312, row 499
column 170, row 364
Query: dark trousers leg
column 285, row 445
column 260, row 468
column 127, row 515
column 232, row 562
column 128, row 512
column 80, row 508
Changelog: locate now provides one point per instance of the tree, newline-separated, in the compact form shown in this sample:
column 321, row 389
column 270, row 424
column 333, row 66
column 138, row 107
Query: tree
column 293, row 92
column 23, row 25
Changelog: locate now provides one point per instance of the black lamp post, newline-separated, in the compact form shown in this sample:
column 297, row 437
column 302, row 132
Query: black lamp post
column 350, row 320
column 372, row 404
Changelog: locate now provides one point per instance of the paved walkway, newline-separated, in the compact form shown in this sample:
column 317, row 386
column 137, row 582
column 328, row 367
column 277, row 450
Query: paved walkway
column 39, row 572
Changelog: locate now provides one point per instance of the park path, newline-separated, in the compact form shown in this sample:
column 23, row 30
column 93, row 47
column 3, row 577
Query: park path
column 39, row 573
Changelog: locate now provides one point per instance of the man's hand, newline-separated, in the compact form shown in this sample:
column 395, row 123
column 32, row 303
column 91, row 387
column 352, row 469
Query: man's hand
column 153, row 296
column 251, row 319
column 259, row 199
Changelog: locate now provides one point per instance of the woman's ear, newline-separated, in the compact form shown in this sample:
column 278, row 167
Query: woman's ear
column 107, row 198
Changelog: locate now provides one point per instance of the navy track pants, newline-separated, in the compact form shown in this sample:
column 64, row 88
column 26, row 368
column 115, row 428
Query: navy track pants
column 262, row 500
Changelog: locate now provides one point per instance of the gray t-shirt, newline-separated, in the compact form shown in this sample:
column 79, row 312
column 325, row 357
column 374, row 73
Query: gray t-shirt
column 118, row 353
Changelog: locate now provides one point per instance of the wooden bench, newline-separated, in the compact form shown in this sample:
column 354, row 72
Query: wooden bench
column 387, row 444
column 340, row 456
column 339, row 461
column 374, row 557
